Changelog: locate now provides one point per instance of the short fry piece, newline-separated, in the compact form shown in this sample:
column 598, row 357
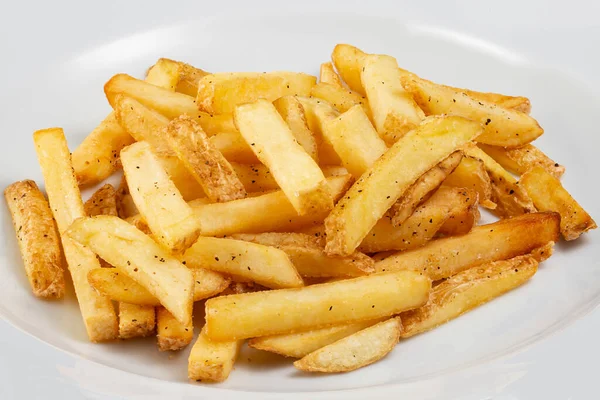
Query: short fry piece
column 38, row 239
column 259, row 314
column 212, row 361
column 292, row 112
column 188, row 77
column 102, row 202
column 521, row 159
column 348, row 62
column 471, row 174
column 467, row 290
column 172, row 335
column 233, row 147
column 355, row 351
column 339, row 97
column 328, row 75
column 136, row 321
column 549, row 195
column 317, row 113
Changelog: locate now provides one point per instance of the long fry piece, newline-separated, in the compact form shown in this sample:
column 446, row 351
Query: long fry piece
column 212, row 361
column 521, row 159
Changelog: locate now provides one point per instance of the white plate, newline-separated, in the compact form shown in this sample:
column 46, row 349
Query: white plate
column 57, row 55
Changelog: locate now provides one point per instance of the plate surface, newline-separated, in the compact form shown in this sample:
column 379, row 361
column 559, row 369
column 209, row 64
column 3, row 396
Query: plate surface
column 60, row 59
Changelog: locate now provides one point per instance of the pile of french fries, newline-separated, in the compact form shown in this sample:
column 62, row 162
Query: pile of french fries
column 320, row 221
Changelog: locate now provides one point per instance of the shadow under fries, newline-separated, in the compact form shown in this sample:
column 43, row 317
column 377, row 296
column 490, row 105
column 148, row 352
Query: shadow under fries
column 259, row 359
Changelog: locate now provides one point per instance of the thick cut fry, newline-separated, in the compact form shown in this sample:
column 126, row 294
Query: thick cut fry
column 394, row 110
column 292, row 310
column 339, row 97
column 212, row 361
column 188, row 78
column 355, row 351
column 102, row 202
column 184, row 181
column 170, row 219
column 248, row 215
column 502, row 127
column 471, row 174
column 389, row 178
column 118, row 286
column 348, row 62
column 522, row 159
column 136, row 321
column 467, row 290
column 172, row 335
column 234, row 148
column 298, row 345
column 206, row 164
column 354, row 140
column 511, row 199
column 165, row 73
column 423, row 188
column 221, row 93
column 307, row 253
column 292, row 112
column 317, row 113
column 549, row 195
column 504, row 239
column 445, row 205
column 464, row 220
column 151, row 266
column 328, row 75
column 267, row 266
column 255, row 177
column 38, row 239
column 66, row 204
column 299, row 177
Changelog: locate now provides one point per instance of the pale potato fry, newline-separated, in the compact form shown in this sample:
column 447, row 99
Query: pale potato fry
column 259, row 314
column 267, row 266
column 299, row 344
column 136, row 321
column 375, row 192
column 467, row 290
column 118, row 286
column 38, row 239
column 206, row 164
column 443, row 206
column 172, row 335
column 355, row 351
column 170, row 219
column 333, row 170
column 292, row 112
column 255, row 177
column 502, row 126
column 394, row 110
column 510, row 198
column 234, row 148
column 221, row 93
column 462, row 221
column 549, row 195
column 307, row 253
column 504, row 239
column 247, row 215
column 340, row 97
column 318, row 112
column 188, row 78
column 471, row 174
column 65, row 202
column 348, row 62
column 328, row 75
column 521, row 159
column 165, row 73
column 184, row 181
column 299, row 177
column 354, row 140
column 423, row 188
column 143, row 260
column 102, row 202
column 212, row 361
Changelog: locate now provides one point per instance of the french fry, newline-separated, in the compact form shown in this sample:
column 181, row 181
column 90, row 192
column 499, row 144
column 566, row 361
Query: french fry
column 467, row 290
column 65, row 201
column 212, row 361
column 172, row 335
column 348, row 62
column 354, row 140
column 188, row 77
column 206, row 164
column 462, row 221
column 255, row 177
column 355, row 351
column 38, row 239
column 118, row 286
column 375, row 192
column 471, row 174
column 299, row 177
column 165, row 74
column 502, row 127
column 136, row 321
column 394, row 110
column 328, row 75
column 102, row 202
column 143, row 260
column 445, row 205
column 333, row 170
column 267, row 266
column 259, row 314
column 339, row 97
column 168, row 216
column 242, row 287
column 247, row 215
column 423, row 188
column 234, row 148
column 501, row 240
column 307, row 253
column 221, row 93
column 549, row 195
column 292, row 112
column 521, row 159
column 299, row 344
column 318, row 112
column 184, row 181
